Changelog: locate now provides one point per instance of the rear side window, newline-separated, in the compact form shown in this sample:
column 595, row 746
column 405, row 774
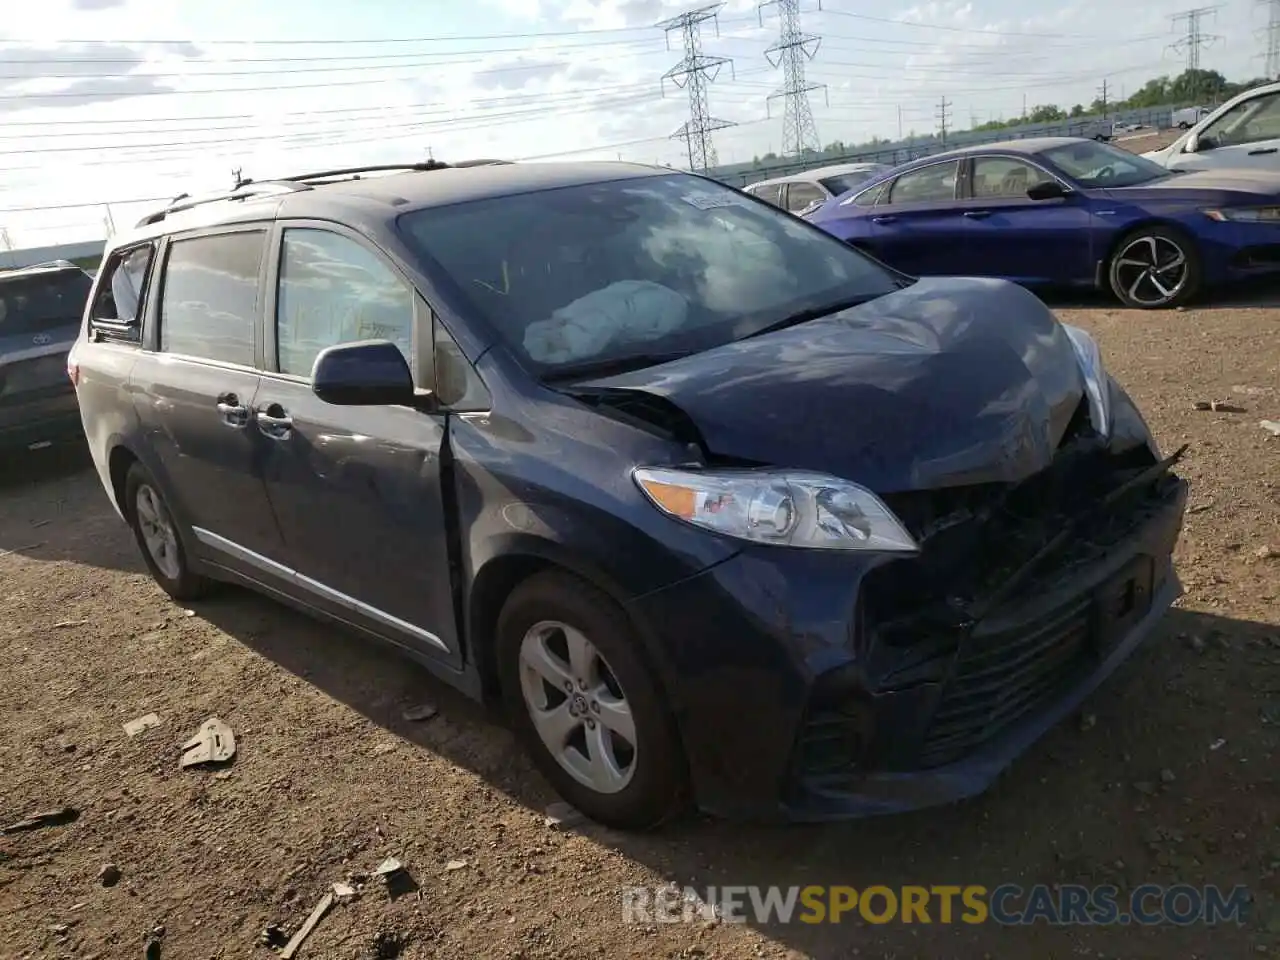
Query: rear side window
column 334, row 290
column 770, row 193
column 869, row 198
column 800, row 195
column 210, row 296
column 935, row 183
column 117, row 308
column 35, row 303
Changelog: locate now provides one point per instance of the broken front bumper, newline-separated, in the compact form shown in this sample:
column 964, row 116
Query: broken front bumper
column 795, row 700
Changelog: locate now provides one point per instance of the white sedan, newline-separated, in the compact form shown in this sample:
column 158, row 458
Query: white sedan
column 1243, row 133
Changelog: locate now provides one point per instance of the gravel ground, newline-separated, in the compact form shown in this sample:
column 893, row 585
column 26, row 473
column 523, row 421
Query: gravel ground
column 330, row 778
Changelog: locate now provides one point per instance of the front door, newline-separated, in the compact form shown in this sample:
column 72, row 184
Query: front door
column 357, row 491
column 1006, row 234
column 1245, row 137
column 194, row 392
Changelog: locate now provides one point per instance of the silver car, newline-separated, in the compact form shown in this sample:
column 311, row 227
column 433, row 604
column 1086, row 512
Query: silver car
column 800, row 191
column 40, row 310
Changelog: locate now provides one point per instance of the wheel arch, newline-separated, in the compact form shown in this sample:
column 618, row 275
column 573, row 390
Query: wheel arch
column 511, row 564
column 119, row 461
column 1137, row 226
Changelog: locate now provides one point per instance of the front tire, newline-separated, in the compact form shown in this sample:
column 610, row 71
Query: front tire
column 156, row 533
column 1155, row 268
column 586, row 705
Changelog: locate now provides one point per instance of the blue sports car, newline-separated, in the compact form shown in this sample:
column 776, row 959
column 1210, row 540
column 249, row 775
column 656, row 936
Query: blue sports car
column 1061, row 211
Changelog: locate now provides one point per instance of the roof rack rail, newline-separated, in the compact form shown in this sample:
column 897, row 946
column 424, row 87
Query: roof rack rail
column 246, row 189
column 373, row 168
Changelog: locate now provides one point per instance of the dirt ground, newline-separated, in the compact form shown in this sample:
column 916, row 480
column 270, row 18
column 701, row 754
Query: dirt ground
column 1169, row 776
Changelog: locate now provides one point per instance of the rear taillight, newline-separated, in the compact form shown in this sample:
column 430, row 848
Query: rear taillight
column 73, row 372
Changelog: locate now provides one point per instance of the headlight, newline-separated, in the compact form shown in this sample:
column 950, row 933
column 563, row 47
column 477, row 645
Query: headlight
column 1095, row 378
column 1245, row 214
column 792, row 509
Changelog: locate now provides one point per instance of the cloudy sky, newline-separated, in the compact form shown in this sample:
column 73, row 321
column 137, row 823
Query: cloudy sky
column 112, row 101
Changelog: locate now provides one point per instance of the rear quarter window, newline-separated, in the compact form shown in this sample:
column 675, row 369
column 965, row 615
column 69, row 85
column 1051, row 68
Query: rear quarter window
column 38, row 303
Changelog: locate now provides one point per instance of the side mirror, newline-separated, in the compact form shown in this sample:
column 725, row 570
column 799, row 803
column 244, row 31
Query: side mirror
column 1046, row 190
column 372, row 373
column 1200, row 144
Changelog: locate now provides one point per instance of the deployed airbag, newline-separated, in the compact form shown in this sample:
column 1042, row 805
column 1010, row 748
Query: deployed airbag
column 628, row 311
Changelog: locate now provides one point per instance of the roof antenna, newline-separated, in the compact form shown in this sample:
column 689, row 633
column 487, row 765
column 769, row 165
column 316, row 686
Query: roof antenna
column 238, row 180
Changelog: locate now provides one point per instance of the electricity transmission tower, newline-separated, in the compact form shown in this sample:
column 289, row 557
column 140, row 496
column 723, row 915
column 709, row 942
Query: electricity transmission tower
column 944, row 114
column 1196, row 37
column 794, row 47
column 1273, row 39
column 694, row 73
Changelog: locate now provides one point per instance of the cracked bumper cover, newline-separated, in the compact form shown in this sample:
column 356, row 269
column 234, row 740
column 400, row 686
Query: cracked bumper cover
column 748, row 648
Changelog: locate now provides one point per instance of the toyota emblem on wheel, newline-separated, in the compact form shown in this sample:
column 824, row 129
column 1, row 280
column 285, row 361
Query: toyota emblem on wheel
column 42, row 339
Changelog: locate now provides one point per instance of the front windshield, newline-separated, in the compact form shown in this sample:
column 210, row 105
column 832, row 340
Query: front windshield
column 1094, row 164
column 660, row 265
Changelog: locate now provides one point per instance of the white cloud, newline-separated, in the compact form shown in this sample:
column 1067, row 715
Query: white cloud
column 179, row 118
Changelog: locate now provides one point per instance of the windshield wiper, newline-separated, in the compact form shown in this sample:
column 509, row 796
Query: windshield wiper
column 814, row 313
column 608, row 366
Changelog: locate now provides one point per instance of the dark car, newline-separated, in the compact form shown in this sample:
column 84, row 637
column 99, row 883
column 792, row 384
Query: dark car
column 1068, row 212
column 40, row 312
column 718, row 507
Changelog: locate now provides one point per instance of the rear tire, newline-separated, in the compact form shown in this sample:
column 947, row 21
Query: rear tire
column 156, row 533
column 586, row 705
column 1155, row 268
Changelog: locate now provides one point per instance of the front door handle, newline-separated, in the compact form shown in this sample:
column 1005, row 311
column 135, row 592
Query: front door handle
column 1261, row 151
column 274, row 422
column 977, row 214
column 883, row 219
column 234, row 413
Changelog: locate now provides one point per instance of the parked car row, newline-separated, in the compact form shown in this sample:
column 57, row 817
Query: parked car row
column 721, row 510
column 1156, row 230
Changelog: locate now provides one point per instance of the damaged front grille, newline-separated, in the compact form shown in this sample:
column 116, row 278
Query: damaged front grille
column 970, row 597
column 1000, row 676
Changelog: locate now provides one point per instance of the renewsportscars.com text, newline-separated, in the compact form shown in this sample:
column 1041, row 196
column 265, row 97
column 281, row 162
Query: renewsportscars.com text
column 1008, row 904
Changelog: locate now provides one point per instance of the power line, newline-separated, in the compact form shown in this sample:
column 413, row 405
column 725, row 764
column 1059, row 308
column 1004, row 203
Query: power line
column 1195, row 38
column 793, row 48
column 134, row 41
column 1272, row 55
column 597, row 148
column 694, row 73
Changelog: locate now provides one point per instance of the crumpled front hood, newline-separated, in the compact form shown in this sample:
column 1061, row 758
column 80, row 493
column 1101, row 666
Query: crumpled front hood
column 948, row 382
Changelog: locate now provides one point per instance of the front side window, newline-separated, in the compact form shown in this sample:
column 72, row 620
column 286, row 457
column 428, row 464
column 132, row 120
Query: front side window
column 1005, row 178
column 1094, row 164
column 932, row 184
column 667, row 264
column 800, row 195
column 335, row 290
column 210, row 296
column 1248, row 122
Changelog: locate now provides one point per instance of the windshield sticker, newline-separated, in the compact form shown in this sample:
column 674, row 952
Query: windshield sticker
column 710, row 201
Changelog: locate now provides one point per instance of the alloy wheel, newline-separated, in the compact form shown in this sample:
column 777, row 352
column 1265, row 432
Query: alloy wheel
column 1152, row 270
column 157, row 532
column 577, row 706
